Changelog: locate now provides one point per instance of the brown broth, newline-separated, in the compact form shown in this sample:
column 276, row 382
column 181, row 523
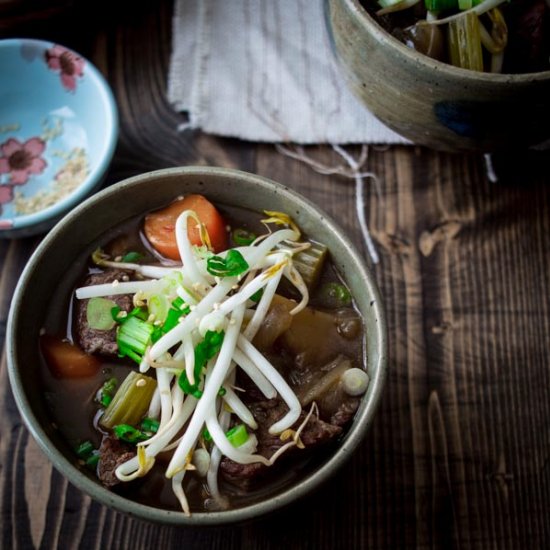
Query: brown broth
column 73, row 406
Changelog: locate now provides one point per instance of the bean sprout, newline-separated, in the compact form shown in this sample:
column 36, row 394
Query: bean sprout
column 213, row 305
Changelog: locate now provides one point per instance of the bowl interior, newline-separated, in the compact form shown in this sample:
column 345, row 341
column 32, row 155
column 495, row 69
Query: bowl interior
column 58, row 129
column 84, row 227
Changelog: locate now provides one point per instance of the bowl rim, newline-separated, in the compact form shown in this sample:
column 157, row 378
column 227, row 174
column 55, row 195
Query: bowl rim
column 351, row 440
column 107, row 101
column 364, row 18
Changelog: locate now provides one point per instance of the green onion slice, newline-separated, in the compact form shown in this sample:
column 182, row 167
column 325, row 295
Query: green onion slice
column 93, row 460
column 242, row 237
column 206, row 435
column 237, row 435
column 129, row 433
column 158, row 306
column 98, row 313
column 150, row 425
column 257, row 296
column 441, row 5
column 85, row 449
column 204, row 351
column 232, row 265
column 133, row 337
column 335, row 295
column 131, row 257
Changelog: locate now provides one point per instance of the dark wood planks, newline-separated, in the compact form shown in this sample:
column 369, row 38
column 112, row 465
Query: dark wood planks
column 458, row 455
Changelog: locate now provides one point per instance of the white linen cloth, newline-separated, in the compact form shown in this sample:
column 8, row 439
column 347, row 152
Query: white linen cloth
column 263, row 70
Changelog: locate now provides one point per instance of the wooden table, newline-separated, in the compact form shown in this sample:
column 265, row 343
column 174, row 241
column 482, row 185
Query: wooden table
column 458, row 455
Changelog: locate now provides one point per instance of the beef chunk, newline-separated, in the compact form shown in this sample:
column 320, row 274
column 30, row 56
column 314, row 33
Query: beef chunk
column 345, row 412
column 112, row 453
column 316, row 432
column 90, row 340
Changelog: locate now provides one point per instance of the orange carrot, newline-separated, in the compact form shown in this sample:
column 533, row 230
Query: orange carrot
column 159, row 225
column 65, row 360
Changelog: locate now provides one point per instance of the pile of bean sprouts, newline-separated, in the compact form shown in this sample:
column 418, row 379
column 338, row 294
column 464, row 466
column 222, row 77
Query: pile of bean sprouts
column 215, row 304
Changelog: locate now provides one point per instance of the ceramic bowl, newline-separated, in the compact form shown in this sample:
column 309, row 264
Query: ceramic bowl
column 58, row 131
column 55, row 260
column 433, row 103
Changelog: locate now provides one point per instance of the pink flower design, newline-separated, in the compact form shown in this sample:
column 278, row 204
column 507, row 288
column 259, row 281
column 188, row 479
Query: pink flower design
column 68, row 63
column 20, row 160
column 6, row 194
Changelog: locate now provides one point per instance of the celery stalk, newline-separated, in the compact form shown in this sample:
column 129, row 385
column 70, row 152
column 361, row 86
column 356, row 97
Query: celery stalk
column 131, row 401
column 309, row 263
column 464, row 39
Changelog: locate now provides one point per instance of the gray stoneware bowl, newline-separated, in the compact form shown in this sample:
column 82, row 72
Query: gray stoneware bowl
column 432, row 103
column 76, row 235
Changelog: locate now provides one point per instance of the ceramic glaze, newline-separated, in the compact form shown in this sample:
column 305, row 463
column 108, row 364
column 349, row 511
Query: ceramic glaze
column 58, row 130
column 430, row 102
column 57, row 255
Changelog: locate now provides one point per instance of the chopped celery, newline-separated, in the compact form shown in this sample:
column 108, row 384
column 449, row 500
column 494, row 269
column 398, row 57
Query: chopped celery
column 464, row 40
column 130, row 402
column 309, row 263
column 98, row 313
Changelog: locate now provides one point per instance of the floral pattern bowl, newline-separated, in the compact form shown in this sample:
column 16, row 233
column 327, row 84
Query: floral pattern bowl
column 58, row 132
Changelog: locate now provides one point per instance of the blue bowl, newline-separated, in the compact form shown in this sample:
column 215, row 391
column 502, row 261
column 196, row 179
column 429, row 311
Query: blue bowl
column 58, row 132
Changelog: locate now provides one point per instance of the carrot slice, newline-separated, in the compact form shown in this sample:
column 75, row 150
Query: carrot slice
column 159, row 225
column 65, row 360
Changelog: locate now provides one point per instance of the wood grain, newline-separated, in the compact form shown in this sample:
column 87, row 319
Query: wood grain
column 458, row 456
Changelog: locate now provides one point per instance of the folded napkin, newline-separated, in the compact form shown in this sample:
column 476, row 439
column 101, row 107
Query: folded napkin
column 263, row 70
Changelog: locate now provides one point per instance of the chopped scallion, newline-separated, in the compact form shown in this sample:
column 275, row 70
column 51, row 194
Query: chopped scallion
column 84, row 449
column 440, row 5
column 133, row 337
column 158, row 306
column 237, row 435
column 98, row 313
column 150, row 425
column 335, row 295
column 232, row 265
column 257, row 296
column 129, row 433
column 204, row 351
column 242, row 237
column 92, row 460
column 105, row 399
column 131, row 257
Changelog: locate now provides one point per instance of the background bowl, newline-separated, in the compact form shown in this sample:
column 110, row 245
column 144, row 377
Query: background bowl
column 58, row 131
column 433, row 103
column 55, row 261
